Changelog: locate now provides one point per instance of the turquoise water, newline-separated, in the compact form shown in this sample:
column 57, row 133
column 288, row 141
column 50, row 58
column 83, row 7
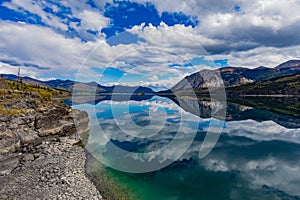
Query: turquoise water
column 256, row 156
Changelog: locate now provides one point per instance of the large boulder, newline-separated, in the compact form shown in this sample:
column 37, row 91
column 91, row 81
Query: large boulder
column 27, row 136
column 48, row 118
column 61, row 121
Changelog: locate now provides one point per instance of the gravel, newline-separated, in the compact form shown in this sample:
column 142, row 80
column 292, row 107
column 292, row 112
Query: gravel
column 56, row 172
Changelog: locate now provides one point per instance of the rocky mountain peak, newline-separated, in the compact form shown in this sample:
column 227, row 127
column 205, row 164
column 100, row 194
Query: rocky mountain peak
column 291, row 64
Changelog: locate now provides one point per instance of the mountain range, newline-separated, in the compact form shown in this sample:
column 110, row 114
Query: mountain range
column 238, row 79
column 282, row 79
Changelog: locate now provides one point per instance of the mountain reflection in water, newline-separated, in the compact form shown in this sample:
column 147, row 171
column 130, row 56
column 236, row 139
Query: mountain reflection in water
column 256, row 157
column 203, row 108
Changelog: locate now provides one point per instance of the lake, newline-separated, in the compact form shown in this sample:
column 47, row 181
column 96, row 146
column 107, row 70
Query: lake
column 151, row 149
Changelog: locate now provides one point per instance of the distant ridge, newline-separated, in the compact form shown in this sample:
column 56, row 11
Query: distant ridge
column 90, row 87
column 280, row 86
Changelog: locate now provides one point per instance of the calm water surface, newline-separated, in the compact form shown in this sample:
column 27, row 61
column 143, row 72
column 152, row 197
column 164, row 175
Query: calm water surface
column 257, row 155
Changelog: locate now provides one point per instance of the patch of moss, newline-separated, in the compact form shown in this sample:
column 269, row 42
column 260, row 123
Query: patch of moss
column 10, row 112
column 45, row 94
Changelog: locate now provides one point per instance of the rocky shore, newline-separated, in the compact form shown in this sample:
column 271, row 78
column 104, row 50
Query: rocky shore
column 40, row 152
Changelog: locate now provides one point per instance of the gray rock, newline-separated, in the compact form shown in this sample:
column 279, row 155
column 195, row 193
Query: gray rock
column 66, row 126
column 8, row 165
column 13, row 126
column 17, row 120
column 50, row 119
column 9, row 142
column 2, row 127
column 51, row 131
column 27, row 137
column 4, row 118
column 28, row 157
column 36, row 155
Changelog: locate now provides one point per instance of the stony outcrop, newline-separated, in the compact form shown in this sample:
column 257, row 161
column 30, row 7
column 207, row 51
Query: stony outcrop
column 39, row 155
column 21, row 131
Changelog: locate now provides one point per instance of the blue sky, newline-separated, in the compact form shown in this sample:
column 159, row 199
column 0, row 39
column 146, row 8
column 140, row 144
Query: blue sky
column 152, row 43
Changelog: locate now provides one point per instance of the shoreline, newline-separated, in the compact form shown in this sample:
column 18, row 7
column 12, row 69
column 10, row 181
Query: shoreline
column 105, row 182
column 41, row 156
